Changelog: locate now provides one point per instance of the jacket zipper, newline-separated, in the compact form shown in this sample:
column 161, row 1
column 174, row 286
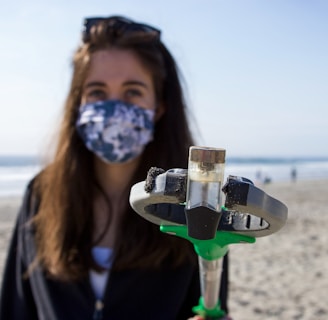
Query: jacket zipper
column 98, row 311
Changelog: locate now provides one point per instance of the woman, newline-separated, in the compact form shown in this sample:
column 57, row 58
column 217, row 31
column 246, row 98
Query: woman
column 78, row 250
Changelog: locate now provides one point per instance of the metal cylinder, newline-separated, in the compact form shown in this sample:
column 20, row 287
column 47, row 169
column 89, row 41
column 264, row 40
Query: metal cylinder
column 210, row 279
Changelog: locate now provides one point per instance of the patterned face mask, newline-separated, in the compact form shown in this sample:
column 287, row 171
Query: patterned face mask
column 115, row 131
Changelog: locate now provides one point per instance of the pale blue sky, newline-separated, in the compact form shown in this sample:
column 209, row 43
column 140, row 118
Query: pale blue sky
column 256, row 71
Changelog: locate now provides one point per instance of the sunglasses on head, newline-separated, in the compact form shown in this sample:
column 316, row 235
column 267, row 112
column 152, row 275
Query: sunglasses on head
column 120, row 26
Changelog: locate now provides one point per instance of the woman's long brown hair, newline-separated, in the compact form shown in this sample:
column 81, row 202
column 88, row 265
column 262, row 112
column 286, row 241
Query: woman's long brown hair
column 66, row 188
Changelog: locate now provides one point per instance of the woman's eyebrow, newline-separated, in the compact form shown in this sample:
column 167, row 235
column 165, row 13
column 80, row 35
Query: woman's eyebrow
column 135, row 82
column 94, row 84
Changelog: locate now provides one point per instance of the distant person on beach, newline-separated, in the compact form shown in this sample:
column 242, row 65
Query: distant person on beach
column 258, row 175
column 78, row 250
column 293, row 174
column 267, row 180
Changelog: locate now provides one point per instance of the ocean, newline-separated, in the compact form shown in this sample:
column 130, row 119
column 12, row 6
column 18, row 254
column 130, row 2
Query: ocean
column 16, row 171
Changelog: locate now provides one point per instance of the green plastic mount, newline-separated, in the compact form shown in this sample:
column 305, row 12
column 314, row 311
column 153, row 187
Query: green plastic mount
column 210, row 249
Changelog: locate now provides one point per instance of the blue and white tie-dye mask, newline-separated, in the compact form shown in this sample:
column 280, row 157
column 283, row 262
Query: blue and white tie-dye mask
column 114, row 130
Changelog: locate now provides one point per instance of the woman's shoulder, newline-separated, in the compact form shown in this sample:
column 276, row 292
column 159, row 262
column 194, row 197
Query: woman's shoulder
column 31, row 200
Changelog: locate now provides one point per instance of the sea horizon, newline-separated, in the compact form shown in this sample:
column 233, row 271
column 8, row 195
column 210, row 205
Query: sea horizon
column 17, row 170
column 32, row 158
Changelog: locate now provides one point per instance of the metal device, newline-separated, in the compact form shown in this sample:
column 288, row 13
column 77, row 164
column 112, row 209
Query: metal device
column 197, row 205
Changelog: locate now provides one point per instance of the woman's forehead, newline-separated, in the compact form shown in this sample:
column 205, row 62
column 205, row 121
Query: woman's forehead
column 117, row 64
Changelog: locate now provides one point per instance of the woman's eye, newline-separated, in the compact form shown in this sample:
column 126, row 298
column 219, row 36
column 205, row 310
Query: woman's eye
column 133, row 93
column 96, row 95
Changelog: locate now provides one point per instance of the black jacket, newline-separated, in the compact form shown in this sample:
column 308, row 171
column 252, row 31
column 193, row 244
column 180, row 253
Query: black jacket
column 133, row 294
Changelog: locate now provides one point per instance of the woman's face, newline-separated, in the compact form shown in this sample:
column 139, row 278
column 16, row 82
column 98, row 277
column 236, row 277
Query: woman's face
column 117, row 74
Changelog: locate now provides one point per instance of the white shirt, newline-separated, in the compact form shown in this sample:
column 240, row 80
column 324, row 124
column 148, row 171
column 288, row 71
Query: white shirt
column 103, row 257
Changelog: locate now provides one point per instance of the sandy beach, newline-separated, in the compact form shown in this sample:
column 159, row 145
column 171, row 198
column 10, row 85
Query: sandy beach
column 281, row 276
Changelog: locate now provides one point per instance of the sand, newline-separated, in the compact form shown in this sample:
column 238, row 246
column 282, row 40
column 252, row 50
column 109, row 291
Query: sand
column 281, row 276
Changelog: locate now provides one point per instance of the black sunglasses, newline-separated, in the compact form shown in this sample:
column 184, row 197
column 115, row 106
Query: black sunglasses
column 120, row 26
